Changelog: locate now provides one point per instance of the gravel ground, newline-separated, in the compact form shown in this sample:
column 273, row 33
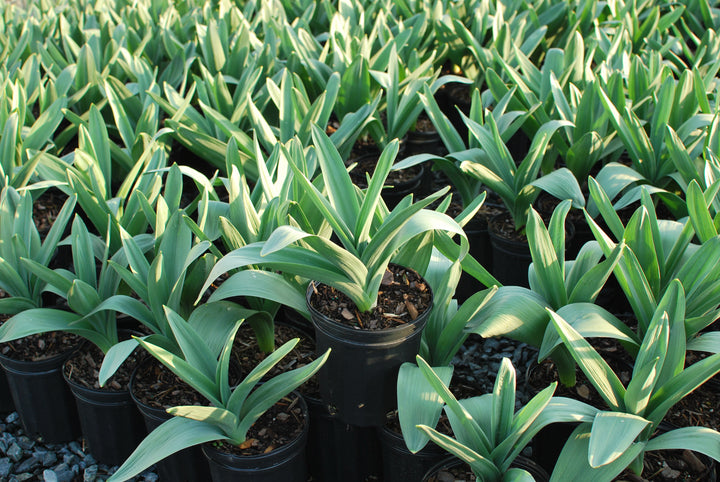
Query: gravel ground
column 478, row 360
column 25, row 459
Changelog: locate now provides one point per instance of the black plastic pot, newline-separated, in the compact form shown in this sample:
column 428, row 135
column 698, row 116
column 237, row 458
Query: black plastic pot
column 421, row 142
column 338, row 451
column 285, row 464
column 358, row 380
column 510, row 258
column 42, row 398
column 549, row 442
column 188, row 465
column 6, row 401
column 520, row 462
column 392, row 193
column 110, row 422
column 401, row 465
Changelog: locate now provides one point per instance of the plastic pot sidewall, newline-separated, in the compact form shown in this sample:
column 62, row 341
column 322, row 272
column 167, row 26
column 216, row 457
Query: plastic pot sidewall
column 399, row 464
column 358, row 381
column 42, row 398
column 188, row 464
column 510, row 258
column 286, row 464
column 110, row 422
column 521, row 462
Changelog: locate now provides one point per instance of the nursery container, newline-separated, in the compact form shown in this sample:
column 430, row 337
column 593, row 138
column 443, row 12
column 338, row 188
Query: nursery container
column 338, row 451
column 188, row 465
column 358, row 381
column 521, row 462
column 42, row 398
column 510, row 257
column 6, row 401
column 285, row 464
column 401, row 465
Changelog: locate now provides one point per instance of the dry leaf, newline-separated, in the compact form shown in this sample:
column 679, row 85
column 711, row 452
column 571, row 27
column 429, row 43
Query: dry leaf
column 346, row 314
column 387, row 278
column 583, row 391
column 411, row 309
column 248, row 443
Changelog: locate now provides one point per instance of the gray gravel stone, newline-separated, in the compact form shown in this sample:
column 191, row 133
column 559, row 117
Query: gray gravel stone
column 75, row 448
column 12, row 418
column 24, row 476
column 15, row 452
column 90, row 473
column 5, row 467
column 28, row 465
column 49, row 459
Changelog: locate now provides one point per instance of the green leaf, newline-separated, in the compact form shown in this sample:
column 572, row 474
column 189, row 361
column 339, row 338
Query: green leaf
column 611, row 435
column 562, row 184
column 595, row 368
column 172, row 436
column 261, row 284
column 115, row 357
column 546, row 266
column 479, row 464
column 698, row 439
column 418, row 403
column 192, row 346
column 573, row 461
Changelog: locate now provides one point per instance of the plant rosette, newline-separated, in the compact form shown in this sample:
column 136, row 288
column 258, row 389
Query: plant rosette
column 358, row 381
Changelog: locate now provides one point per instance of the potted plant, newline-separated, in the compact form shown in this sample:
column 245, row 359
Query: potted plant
column 356, row 270
column 233, row 412
column 108, row 417
column 33, row 375
column 619, row 437
column 489, row 434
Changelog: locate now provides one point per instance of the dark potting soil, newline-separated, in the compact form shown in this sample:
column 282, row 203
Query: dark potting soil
column 279, row 426
column 46, row 209
column 672, row 466
column 504, row 226
column 83, row 368
column 158, row 387
column 424, row 124
column 458, row 473
column 402, row 297
column 247, row 354
column 40, row 347
column 368, row 164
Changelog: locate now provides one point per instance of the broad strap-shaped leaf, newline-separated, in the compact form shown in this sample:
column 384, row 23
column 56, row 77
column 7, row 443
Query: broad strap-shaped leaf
column 194, row 349
column 573, row 462
column 675, row 389
column 592, row 276
column 337, row 180
column 592, row 364
column 467, row 429
column 611, row 436
column 189, row 374
column 241, row 392
column 699, row 439
column 172, row 436
column 372, row 196
column 503, row 401
column 418, row 403
column 515, row 312
column 270, row 392
column 562, row 184
column 479, row 464
column 699, row 213
column 546, row 267
column 114, row 357
column 591, row 321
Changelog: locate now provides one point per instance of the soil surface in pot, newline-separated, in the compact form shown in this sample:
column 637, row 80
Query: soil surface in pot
column 672, row 466
column 158, row 387
column 39, row 347
column 368, row 164
column 504, row 226
column 277, row 427
column 541, row 375
column 46, row 209
column 247, row 354
column 83, row 368
column 402, row 297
